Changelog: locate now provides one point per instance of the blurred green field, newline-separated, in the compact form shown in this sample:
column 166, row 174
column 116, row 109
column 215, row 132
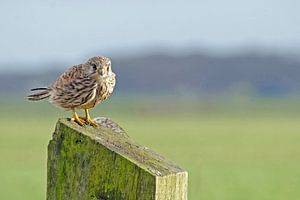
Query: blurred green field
column 251, row 153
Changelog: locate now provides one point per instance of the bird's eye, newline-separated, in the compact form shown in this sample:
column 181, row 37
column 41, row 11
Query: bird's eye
column 94, row 66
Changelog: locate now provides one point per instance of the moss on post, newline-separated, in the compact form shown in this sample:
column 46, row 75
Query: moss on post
column 98, row 163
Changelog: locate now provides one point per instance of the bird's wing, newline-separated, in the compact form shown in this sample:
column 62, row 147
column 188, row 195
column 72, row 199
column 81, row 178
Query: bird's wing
column 70, row 75
column 73, row 88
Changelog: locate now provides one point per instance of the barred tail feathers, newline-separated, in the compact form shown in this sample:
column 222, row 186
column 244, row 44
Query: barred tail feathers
column 41, row 93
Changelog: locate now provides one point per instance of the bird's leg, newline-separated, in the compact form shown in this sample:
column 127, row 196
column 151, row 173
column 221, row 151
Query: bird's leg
column 88, row 119
column 76, row 119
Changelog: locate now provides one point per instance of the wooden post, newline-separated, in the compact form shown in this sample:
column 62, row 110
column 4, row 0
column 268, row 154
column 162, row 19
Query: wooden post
column 87, row 163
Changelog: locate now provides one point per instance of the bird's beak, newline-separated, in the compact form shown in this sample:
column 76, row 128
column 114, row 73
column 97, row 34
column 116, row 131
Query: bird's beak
column 100, row 71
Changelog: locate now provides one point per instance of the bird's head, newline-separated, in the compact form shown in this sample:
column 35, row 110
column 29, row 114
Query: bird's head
column 100, row 65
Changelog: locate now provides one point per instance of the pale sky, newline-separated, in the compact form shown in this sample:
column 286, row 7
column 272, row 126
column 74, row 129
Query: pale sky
column 49, row 30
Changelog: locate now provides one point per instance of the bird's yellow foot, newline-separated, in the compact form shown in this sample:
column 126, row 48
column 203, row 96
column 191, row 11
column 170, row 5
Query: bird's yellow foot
column 77, row 119
column 89, row 121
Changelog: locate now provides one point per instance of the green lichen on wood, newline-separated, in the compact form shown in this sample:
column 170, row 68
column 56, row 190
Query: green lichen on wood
column 95, row 163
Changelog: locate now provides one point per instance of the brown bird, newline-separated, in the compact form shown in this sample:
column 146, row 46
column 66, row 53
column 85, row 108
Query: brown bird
column 80, row 87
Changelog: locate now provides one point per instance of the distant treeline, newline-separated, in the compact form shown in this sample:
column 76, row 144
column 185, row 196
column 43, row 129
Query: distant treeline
column 190, row 74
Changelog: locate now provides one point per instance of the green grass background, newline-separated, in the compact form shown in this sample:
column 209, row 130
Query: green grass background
column 237, row 149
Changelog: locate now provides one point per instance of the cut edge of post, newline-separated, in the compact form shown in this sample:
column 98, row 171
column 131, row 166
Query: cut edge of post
column 177, row 185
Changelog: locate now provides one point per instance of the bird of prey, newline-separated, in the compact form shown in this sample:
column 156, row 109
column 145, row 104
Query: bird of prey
column 82, row 86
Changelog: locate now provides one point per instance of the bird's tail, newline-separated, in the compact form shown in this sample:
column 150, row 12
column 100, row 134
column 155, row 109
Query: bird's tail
column 39, row 94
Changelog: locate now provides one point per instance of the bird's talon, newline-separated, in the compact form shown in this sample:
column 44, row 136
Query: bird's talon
column 89, row 121
column 77, row 119
column 82, row 118
column 93, row 123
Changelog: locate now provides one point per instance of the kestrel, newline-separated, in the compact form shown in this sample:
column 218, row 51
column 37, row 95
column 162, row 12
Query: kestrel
column 82, row 86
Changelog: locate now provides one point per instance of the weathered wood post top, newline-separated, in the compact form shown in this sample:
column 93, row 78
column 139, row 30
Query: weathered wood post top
column 87, row 163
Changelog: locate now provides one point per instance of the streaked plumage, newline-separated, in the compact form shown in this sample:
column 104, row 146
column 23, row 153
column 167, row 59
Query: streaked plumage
column 80, row 87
